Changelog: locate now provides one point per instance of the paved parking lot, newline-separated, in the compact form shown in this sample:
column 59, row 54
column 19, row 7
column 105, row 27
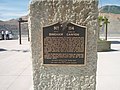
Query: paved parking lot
column 16, row 67
column 108, row 67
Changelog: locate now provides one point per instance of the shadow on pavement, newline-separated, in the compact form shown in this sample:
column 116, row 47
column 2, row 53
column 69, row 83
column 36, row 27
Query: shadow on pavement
column 115, row 42
column 112, row 50
column 1, row 49
column 20, row 50
column 24, row 51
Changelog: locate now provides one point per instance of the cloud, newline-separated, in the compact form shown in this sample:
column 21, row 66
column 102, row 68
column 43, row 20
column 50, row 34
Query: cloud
column 14, row 10
column 109, row 2
column 10, row 15
column 17, row 14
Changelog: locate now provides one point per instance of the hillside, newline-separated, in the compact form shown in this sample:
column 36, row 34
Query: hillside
column 112, row 12
column 12, row 25
column 110, row 9
column 113, row 26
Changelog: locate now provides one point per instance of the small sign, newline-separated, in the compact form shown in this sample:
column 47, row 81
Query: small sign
column 64, row 44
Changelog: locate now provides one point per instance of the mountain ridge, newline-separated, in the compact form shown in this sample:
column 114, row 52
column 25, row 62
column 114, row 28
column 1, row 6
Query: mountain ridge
column 110, row 9
column 112, row 12
column 12, row 25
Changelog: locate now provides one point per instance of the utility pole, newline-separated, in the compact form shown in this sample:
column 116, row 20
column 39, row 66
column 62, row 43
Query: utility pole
column 20, row 19
column 106, row 23
column 106, row 29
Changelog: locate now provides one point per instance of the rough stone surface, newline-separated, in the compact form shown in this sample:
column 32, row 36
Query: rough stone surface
column 46, row 12
column 104, row 46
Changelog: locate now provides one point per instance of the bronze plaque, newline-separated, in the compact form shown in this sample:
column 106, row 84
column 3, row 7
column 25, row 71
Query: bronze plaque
column 64, row 44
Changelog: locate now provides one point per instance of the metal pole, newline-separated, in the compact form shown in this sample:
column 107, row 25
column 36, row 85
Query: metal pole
column 20, row 21
column 28, row 35
column 20, row 31
column 106, row 29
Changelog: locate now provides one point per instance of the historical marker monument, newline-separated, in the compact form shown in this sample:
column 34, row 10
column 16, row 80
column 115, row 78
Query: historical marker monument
column 64, row 44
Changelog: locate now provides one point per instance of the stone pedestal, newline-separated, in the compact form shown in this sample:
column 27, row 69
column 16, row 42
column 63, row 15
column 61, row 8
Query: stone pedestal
column 63, row 77
column 103, row 45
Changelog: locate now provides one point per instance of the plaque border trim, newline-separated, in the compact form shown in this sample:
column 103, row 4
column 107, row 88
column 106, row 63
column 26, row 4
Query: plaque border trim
column 65, row 65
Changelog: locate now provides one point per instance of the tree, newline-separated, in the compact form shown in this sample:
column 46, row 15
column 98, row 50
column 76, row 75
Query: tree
column 100, row 20
column 105, row 21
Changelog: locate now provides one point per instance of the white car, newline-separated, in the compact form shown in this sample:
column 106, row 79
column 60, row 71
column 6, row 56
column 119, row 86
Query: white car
column 10, row 36
column 0, row 36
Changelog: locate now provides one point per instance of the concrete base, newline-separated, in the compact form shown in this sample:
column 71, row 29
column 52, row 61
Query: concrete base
column 103, row 45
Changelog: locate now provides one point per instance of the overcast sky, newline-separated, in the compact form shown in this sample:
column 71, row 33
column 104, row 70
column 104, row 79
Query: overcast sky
column 10, row 9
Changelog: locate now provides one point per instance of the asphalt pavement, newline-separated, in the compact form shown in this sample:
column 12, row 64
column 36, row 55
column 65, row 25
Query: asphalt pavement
column 108, row 67
column 16, row 66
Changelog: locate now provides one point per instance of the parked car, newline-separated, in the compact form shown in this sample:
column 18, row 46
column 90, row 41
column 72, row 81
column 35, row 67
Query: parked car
column 10, row 36
column 0, row 36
